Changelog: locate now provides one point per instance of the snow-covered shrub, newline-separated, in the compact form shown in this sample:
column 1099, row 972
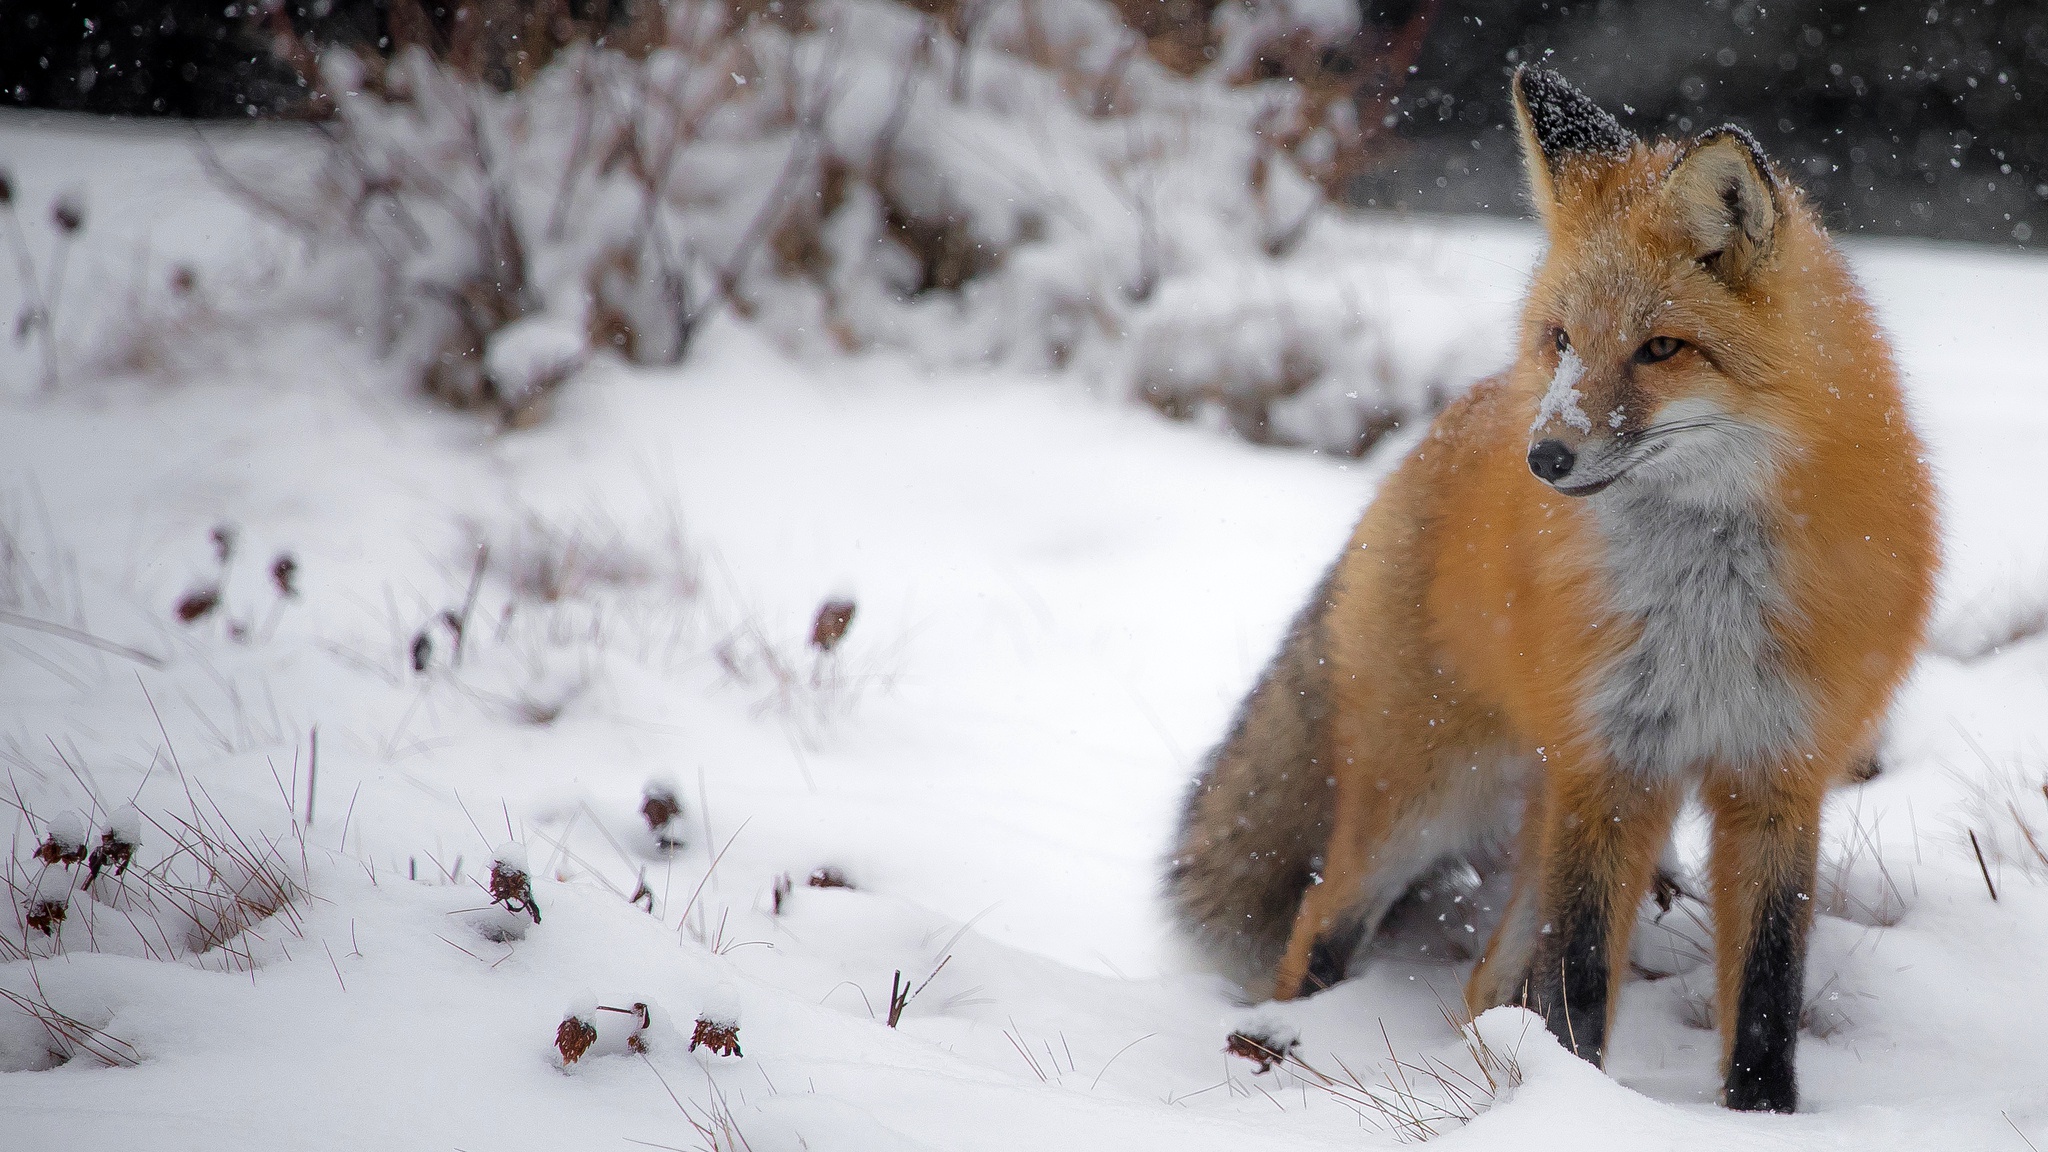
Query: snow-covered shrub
column 1282, row 368
column 1011, row 181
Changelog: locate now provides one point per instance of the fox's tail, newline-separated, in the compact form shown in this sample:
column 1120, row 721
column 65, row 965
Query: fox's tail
column 1256, row 820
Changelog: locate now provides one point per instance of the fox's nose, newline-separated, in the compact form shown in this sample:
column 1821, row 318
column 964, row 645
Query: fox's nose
column 1551, row 461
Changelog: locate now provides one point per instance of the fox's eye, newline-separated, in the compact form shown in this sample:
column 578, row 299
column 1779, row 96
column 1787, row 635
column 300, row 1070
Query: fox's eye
column 1564, row 342
column 1658, row 348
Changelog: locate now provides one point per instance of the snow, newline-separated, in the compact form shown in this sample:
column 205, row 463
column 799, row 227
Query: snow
column 53, row 886
column 124, row 826
column 509, row 858
column 1061, row 597
column 1561, row 400
column 721, row 1006
column 67, row 831
column 532, row 355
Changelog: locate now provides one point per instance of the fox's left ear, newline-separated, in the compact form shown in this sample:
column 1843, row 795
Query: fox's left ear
column 1561, row 128
column 1721, row 189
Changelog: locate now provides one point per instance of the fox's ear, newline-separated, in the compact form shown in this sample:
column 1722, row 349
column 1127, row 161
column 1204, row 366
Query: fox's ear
column 1561, row 126
column 1722, row 190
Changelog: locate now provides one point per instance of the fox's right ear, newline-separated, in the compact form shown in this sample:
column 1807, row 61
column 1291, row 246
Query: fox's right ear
column 1561, row 126
column 1722, row 189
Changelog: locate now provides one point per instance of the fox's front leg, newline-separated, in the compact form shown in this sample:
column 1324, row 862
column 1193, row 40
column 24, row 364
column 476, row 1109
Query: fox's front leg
column 1602, row 834
column 1765, row 854
column 1502, row 974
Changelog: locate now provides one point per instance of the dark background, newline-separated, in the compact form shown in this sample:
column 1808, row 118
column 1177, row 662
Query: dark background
column 1901, row 118
column 1922, row 119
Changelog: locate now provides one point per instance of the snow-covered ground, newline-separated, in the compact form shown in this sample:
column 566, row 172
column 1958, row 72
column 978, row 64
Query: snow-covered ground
column 1060, row 597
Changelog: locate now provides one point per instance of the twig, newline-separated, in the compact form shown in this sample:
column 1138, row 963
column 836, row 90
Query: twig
column 899, row 997
column 1982, row 867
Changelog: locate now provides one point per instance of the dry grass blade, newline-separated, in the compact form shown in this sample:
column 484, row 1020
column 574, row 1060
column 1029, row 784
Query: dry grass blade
column 698, row 891
column 714, row 1124
column 76, row 636
column 1397, row 1102
column 69, row 1035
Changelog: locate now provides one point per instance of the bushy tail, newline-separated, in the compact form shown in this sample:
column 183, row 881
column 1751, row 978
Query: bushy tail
column 1255, row 823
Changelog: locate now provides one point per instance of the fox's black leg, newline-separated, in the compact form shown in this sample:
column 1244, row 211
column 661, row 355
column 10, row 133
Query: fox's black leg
column 1331, row 954
column 1602, row 835
column 1760, row 1077
column 1766, row 852
column 1568, row 982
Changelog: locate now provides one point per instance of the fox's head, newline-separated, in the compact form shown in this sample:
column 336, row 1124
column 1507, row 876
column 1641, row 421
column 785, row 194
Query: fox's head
column 1648, row 331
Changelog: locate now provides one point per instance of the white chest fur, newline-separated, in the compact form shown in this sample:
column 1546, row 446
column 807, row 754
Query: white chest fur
column 1704, row 682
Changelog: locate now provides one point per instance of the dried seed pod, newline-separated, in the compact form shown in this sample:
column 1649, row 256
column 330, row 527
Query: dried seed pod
column 637, row 1042
column 183, row 280
column 782, row 889
column 422, row 650
column 66, row 842
column 510, row 885
column 49, row 902
column 718, row 1024
column 68, row 213
column 663, row 812
column 46, row 916
column 223, row 537
column 452, row 621
column 1263, row 1044
column 829, row 877
column 6, row 188
column 834, row 618
column 198, row 603
column 123, row 835
column 573, row 1037
column 643, row 1019
column 284, row 572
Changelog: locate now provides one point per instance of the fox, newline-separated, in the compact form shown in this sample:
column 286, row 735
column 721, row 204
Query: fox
column 1683, row 546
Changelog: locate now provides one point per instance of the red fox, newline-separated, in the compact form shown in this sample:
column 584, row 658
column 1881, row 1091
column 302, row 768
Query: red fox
column 1712, row 584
